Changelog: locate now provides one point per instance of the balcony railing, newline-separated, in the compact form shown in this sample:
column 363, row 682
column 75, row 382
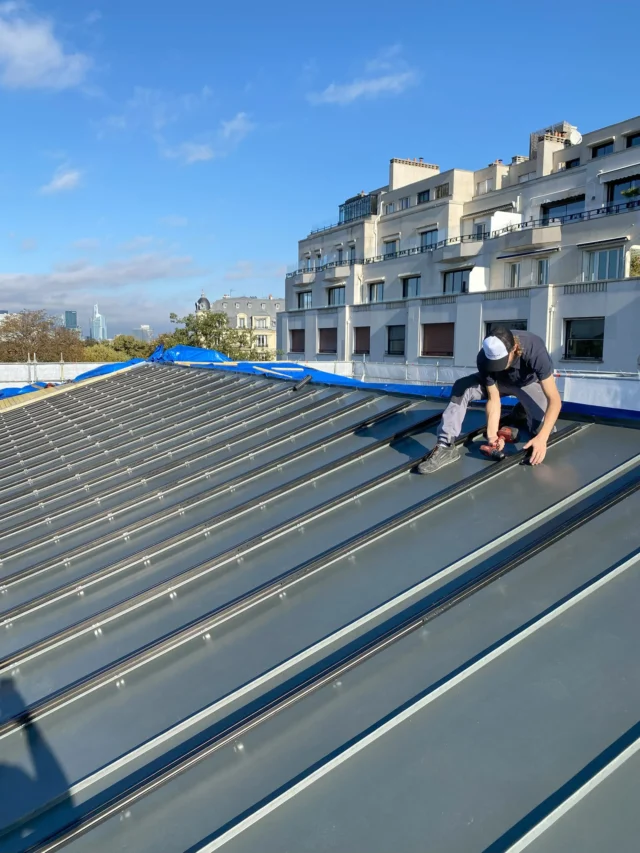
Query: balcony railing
column 585, row 215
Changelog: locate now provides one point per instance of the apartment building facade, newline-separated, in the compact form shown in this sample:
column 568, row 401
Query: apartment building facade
column 249, row 312
column 419, row 270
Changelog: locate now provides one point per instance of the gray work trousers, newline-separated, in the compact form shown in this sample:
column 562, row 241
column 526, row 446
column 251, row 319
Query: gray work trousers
column 470, row 388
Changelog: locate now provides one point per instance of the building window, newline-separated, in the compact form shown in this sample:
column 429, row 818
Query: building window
column 248, row 305
column 395, row 340
column 542, row 271
column 513, row 275
column 242, row 322
column 352, row 254
column 224, row 306
column 529, row 176
column 308, row 264
column 602, row 150
column 437, row 339
column 237, row 304
column 304, row 299
column 627, row 189
column 565, row 210
column 633, row 140
column 456, row 281
column 442, row 190
column 424, row 196
column 584, row 338
column 404, row 202
column 297, row 340
column 389, row 208
column 428, row 238
column 261, row 341
column 484, row 187
column 376, row 291
column 277, row 306
column 362, row 340
column 336, row 295
column 513, row 325
column 328, row 340
column 260, row 323
column 410, row 287
column 263, row 306
column 480, row 230
column 572, row 164
column 390, row 248
column 604, row 264
column 340, row 254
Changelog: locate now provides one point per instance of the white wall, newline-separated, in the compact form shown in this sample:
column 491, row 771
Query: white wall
column 17, row 374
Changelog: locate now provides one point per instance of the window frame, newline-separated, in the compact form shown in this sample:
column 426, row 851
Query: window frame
column 389, row 208
column 442, row 190
column 424, row 196
column 356, row 349
column 379, row 288
column 598, row 151
column 395, row 243
column 340, row 255
column 568, row 338
column 333, row 291
column 389, row 351
column 430, row 243
column 592, row 269
column 514, row 325
column 326, row 329
column 262, row 341
column 486, row 185
column 546, row 210
column 401, row 203
column 453, row 273
column 572, row 164
column 424, row 353
column 297, row 332
column 514, row 273
column 405, row 286
column 302, row 294
column 632, row 140
column 539, row 262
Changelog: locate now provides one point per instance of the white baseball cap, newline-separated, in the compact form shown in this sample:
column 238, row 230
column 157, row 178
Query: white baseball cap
column 494, row 355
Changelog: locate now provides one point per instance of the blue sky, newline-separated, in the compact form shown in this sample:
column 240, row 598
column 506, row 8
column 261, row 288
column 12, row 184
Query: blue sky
column 152, row 149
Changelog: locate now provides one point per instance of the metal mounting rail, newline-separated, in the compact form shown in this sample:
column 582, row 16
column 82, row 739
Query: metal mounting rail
column 222, row 487
column 223, row 397
column 146, row 555
column 16, row 494
column 84, row 426
column 349, row 661
column 127, row 416
column 197, row 456
column 243, row 602
column 53, row 415
column 239, row 400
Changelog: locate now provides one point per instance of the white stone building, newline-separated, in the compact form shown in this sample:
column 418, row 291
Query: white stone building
column 418, row 270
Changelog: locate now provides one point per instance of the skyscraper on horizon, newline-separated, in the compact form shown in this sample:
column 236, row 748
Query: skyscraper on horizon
column 97, row 326
column 71, row 319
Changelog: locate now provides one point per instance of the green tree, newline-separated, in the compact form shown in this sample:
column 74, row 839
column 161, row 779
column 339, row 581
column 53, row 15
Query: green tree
column 35, row 332
column 102, row 352
column 211, row 330
column 132, row 347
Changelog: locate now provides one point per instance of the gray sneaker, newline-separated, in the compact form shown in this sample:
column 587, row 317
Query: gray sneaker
column 438, row 458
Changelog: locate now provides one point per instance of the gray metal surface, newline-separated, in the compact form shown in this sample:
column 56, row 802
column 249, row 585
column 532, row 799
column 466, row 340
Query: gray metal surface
column 135, row 628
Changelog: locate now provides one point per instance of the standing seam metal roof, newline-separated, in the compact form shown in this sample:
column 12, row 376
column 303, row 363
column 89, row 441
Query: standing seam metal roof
column 233, row 616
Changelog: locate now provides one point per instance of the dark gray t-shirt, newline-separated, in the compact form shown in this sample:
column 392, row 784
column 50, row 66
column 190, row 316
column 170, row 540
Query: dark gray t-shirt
column 533, row 365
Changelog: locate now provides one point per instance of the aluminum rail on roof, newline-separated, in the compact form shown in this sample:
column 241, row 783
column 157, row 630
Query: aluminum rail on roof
column 128, row 418
column 226, row 392
column 251, row 598
column 166, row 431
column 123, row 505
column 264, row 497
column 189, row 461
column 335, row 670
column 100, row 475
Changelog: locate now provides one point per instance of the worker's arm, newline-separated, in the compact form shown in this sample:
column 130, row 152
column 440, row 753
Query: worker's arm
column 538, row 443
column 493, row 413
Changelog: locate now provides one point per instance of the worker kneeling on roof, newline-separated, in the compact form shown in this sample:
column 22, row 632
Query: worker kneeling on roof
column 509, row 365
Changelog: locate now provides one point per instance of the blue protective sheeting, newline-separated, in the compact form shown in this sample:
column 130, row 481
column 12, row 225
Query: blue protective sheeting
column 108, row 368
column 182, row 352
column 26, row 389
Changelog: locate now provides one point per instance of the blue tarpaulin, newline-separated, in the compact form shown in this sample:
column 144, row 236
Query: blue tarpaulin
column 104, row 369
column 182, row 352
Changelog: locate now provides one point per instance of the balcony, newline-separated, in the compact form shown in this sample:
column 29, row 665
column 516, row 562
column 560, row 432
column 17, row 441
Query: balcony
column 337, row 271
column 467, row 247
column 302, row 277
column 538, row 237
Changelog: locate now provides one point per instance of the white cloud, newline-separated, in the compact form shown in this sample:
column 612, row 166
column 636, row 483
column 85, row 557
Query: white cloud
column 28, row 244
column 87, row 244
column 64, row 180
column 137, row 243
column 175, row 221
column 244, row 270
column 154, row 109
column 93, row 17
column 189, row 152
column 386, row 74
column 31, row 56
column 129, row 291
column 236, row 128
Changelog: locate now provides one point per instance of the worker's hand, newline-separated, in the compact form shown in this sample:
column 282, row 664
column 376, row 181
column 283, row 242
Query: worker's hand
column 496, row 442
column 538, row 446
